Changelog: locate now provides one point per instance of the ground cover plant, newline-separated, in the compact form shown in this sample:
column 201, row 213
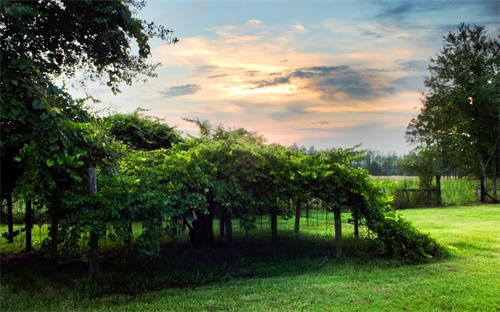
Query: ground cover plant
column 298, row 272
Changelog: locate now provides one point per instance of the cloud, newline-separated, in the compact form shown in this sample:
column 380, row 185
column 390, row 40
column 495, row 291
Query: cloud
column 299, row 27
column 254, row 22
column 332, row 82
column 217, row 76
column 270, row 82
column 413, row 65
column 398, row 11
column 180, row 90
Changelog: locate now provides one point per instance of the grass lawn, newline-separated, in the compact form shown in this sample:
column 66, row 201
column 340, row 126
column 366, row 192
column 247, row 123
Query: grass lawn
column 298, row 273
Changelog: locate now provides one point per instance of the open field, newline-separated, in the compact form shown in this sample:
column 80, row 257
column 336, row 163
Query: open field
column 298, row 273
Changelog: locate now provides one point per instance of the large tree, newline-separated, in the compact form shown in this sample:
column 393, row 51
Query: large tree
column 46, row 138
column 67, row 37
column 460, row 105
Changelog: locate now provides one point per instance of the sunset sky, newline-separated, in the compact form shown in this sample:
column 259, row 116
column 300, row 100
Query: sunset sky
column 316, row 73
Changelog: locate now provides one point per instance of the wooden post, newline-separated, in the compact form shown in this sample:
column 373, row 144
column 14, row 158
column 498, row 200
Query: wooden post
column 10, row 218
column 29, row 225
column 94, row 238
column 356, row 226
column 274, row 222
column 308, row 211
column 438, row 190
column 407, row 195
column 338, row 231
column 298, row 204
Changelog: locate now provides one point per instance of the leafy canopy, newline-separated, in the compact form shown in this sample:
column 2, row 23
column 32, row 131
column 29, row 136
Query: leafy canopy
column 460, row 107
column 66, row 37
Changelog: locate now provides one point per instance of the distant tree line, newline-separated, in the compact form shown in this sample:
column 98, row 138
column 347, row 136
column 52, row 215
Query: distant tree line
column 381, row 164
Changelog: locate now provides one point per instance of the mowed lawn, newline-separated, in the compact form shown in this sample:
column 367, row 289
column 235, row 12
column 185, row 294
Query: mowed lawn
column 467, row 281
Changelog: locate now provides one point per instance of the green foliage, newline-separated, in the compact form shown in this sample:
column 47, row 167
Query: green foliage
column 453, row 192
column 47, row 139
column 141, row 132
column 399, row 239
column 66, row 37
column 425, row 163
column 460, row 111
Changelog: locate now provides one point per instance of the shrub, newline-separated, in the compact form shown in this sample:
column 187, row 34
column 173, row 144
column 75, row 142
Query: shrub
column 398, row 239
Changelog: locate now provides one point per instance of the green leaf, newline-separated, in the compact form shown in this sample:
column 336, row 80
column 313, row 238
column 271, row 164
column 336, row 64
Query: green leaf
column 37, row 104
column 50, row 162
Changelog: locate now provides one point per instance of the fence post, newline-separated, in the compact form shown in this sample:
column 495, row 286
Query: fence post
column 94, row 238
column 338, row 230
column 438, row 189
column 298, row 205
column 29, row 225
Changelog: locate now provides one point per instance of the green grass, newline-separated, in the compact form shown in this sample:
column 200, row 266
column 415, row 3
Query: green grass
column 298, row 273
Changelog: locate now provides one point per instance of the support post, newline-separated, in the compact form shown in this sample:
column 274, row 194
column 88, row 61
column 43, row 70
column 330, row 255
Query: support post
column 356, row 226
column 438, row 190
column 338, row 231
column 94, row 238
column 274, row 223
column 10, row 218
column 298, row 205
column 29, row 225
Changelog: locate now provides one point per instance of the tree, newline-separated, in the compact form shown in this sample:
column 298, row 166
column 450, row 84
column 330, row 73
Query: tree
column 67, row 37
column 460, row 107
column 46, row 136
column 141, row 132
column 424, row 163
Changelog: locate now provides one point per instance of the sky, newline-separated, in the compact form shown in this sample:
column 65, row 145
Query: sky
column 326, row 74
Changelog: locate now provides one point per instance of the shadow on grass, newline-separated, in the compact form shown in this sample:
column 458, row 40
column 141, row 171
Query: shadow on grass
column 123, row 272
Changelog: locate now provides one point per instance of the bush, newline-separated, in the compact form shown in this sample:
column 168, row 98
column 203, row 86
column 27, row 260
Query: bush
column 398, row 239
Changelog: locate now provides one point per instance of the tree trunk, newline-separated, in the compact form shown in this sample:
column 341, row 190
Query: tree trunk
column 10, row 218
column 494, row 180
column 128, row 240
column 356, row 226
column 338, row 231
column 222, row 223
column 29, row 225
column 274, row 223
column 201, row 232
column 483, row 189
column 298, row 205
